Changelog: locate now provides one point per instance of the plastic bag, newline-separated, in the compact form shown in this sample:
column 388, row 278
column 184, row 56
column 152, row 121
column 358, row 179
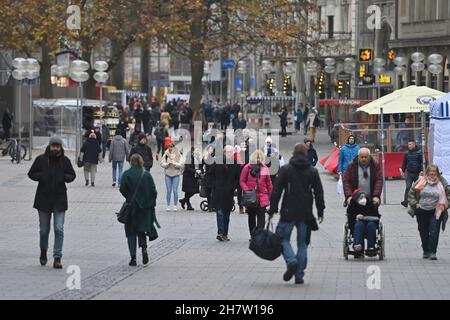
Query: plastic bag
column 340, row 186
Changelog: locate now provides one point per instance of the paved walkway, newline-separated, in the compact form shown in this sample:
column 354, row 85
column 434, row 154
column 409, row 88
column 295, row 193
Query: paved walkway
column 186, row 262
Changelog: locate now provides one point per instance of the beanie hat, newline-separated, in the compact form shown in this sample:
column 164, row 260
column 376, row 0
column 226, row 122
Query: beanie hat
column 142, row 136
column 269, row 139
column 55, row 140
column 356, row 194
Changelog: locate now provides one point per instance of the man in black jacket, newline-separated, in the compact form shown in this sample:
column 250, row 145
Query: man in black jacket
column 300, row 183
column 52, row 170
column 412, row 164
column 144, row 150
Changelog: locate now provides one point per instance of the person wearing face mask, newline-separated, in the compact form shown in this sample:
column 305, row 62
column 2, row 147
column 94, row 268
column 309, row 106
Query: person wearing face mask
column 428, row 201
column 144, row 151
column 52, row 170
column 358, row 208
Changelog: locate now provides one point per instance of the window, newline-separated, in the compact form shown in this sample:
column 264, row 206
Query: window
column 412, row 7
column 443, row 6
column 419, row 10
column 403, row 7
column 330, row 27
column 430, row 13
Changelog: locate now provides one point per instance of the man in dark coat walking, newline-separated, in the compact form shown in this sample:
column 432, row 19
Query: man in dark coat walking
column 7, row 123
column 144, row 150
column 412, row 165
column 52, row 170
column 301, row 185
column 191, row 174
column 225, row 174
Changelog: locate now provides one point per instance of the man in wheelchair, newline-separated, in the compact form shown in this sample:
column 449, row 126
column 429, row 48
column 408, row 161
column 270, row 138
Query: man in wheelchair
column 363, row 219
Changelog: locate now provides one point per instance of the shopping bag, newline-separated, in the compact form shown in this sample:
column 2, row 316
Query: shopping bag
column 265, row 243
column 340, row 186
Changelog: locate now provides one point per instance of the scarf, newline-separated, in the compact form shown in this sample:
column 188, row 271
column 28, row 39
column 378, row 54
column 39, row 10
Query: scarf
column 443, row 203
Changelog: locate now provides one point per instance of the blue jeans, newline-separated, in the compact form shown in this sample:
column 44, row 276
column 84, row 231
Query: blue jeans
column 104, row 144
column 114, row 168
column 223, row 221
column 58, row 228
column 172, row 186
column 429, row 229
column 364, row 228
column 284, row 229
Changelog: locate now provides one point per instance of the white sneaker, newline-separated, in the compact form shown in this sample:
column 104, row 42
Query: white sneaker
column 175, row 208
column 167, row 209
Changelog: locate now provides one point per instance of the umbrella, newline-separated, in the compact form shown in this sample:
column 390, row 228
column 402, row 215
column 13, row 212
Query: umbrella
column 412, row 99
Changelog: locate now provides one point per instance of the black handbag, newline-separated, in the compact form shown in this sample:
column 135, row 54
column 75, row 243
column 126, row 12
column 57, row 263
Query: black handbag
column 80, row 162
column 125, row 212
column 265, row 243
column 249, row 197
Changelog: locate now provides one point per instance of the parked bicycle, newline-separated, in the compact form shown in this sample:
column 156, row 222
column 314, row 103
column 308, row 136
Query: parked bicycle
column 11, row 147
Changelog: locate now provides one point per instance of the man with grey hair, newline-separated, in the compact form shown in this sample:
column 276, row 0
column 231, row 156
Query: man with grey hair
column 363, row 173
column 52, row 170
column 224, row 174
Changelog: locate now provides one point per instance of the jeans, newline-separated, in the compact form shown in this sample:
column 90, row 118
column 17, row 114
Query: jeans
column 172, row 185
column 58, row 228
column 256, row 218
column 283, row 131
column 160, row 146
column 114, row 168
column 429, row 229
column 104, row 145
column 365, row 228
column 223, row 221
column 132, row 244
column 410, row 179
column 284, row 229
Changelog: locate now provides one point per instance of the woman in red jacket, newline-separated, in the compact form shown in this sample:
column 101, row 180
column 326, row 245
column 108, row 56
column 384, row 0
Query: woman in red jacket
column 256, row 175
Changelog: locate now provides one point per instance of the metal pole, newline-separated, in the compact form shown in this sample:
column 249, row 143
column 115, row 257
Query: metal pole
column 77, row 131
column 383, row 164
column 19, row 142
column 31, row 121
column 422, row 120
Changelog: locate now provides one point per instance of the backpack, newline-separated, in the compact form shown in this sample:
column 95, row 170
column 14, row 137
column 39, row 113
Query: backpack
column 316, row 122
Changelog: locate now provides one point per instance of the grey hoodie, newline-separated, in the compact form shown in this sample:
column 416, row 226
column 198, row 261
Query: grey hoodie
column 119, row 149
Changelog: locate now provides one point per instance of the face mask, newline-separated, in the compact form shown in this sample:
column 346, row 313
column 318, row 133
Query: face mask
column 362, row 202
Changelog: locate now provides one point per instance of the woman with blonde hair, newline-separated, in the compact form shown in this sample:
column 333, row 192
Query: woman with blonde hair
column 428, row 200
column 173, row 163
column 256, row 176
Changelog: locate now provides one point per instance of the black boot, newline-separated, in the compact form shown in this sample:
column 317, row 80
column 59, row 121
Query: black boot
column 87, row 183
column 93, row 184
column 144, row 256
column 43, row 257
column 189, row 206
column 57, row 263
column 183, row 202
column 133, row 262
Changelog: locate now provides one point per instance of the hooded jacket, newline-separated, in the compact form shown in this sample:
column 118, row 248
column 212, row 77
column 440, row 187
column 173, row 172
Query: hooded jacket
column 301, row 185
column 52, row 173
column 347, row 153
column 118, row 150
column 412, row 162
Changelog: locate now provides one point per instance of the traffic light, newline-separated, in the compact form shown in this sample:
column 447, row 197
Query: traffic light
column 287, row 88
column 320, row 86
column 270, row 83
column 340, row 87
column 391, row 55
column 365, row 55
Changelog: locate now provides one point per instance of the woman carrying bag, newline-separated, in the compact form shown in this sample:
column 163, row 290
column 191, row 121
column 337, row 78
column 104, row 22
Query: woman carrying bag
column 138, row 186
column 255, row 178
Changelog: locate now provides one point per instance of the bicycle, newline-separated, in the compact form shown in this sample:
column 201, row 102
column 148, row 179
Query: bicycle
column 14, row 150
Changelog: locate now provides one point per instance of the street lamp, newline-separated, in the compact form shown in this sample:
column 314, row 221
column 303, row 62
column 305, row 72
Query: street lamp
column 77, row 72
column 242, row 69
column 24, row 69
column 207, row 70
column 101, row 76
column 330, row 68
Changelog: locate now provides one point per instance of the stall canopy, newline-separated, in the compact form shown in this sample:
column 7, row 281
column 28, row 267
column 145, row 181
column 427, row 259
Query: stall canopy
column 412, row 99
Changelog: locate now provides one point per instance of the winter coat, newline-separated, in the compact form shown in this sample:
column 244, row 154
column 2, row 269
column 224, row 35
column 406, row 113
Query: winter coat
column 225, row 179
column 347, row 153
column 412, row 161
column 312, row 156
column 283, row 119
column 264, row 188
column 351, row 177
column 311, row 119
column 134, row 138
column 299, row 116
column 241, row 124
column 52, row 173
column 172, row 167
column 105, row 133
column 7, row 120
column 414, row 198
column 91, row 150
column 146, row 153
column 300, row 183
column 354, row 209
column 190, row 181
column 118, row 151
column 143, row 218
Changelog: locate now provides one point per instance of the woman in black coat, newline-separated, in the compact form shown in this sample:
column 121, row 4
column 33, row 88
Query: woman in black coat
column 191, row 174
column 90, row 152
column 225, row 177
column 312, row 154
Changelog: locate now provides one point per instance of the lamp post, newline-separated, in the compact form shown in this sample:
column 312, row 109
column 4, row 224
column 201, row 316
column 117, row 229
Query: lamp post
column 24, row 69
column 242, row 69
column 207, row 71
column 77, row 72
column 312, row 68
column 101, row 76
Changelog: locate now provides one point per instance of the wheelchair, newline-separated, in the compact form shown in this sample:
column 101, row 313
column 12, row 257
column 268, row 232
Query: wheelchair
column 379, row 243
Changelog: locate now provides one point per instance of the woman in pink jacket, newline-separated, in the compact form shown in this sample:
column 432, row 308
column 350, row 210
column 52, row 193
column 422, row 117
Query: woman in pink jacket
column 256, row 175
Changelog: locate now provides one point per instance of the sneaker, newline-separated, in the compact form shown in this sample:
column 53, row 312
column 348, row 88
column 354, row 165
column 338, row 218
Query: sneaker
column 405, row 204
column 291, row 270
column 225, row 238
column 219, row 237
column 299, row 281
column 57, row 263
column 241, row 211
column 189, row 208
column 371, row 252
column 133, row 262
column 168, row 209
column 358, row 247
column 425, row 255
column 113, row 184
column 43, row 258
column 175, row 208
column 433, row 256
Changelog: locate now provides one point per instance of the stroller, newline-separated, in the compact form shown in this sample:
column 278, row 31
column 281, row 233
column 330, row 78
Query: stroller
column 204, row 189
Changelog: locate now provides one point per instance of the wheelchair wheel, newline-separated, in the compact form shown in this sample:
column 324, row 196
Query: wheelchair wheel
column 381, row 244
column 204, row 205
column 234, row 208
column 345, row 241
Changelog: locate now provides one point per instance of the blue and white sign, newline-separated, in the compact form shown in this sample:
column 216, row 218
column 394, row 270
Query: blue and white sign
column 238, row 84
column 228, row 64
